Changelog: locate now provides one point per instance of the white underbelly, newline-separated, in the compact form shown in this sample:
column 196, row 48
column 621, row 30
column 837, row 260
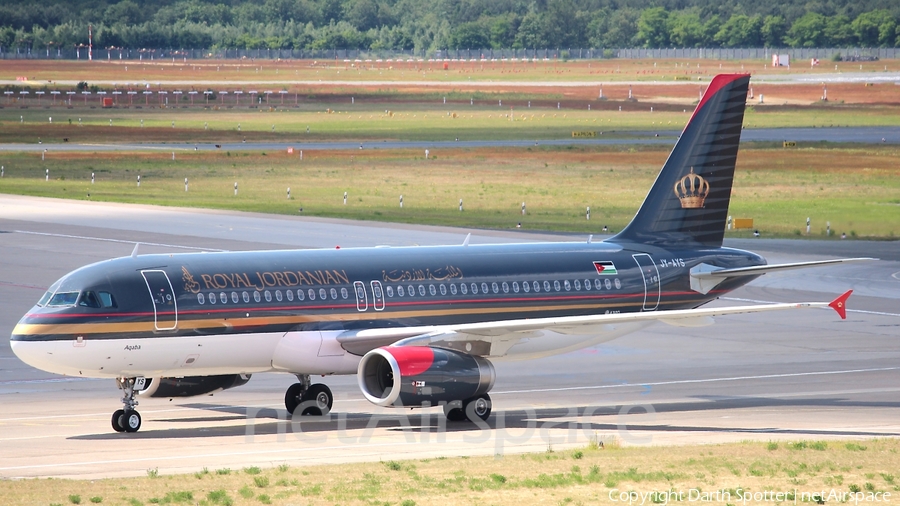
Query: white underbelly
column 152, row 357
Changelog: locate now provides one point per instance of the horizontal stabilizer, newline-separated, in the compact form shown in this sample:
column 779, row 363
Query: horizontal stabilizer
column 763, row 269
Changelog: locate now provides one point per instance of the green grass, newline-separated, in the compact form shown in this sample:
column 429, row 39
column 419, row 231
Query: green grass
column 855, row 189
column 802, row 467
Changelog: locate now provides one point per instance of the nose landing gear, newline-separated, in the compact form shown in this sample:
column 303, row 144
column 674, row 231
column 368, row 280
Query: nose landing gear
column 128, row 419
column 313, row 400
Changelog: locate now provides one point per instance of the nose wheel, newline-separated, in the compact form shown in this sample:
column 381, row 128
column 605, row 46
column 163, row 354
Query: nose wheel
column 127, row 419
column 312, row 400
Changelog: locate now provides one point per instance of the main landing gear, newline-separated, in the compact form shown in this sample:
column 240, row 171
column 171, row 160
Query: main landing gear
column 470, row 409
column 313, row 400
column 128, row 419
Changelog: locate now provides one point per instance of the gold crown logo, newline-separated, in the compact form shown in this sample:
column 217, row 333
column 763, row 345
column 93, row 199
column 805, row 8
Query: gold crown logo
column 692, row 190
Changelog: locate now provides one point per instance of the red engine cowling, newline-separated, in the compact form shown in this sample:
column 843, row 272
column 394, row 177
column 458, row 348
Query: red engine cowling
column 419, row 375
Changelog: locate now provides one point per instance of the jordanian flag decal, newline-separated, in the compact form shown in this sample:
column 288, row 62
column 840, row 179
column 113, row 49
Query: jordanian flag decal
column 606, row 268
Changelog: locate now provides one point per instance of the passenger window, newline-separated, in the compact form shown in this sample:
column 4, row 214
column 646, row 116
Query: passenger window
column 300, row 295
column 618, row 284
column 400, row 291
column 278, row 295
column 453, row 288
column 495, row 288
column 255, row 296
column 234, row 297
column 224, row 298
column 547, row 285
column 526, row 286
column 323, row 294
column 443, row 289
column 422, row 290
column 567, row 285
column 536, row 286
column 289, row 294
column 516, row 286
column 411, row 290
column 608, row 284
column 89, row 299
column 201, row 299
column 333, row 293
column 268, row 296
column 505, row 287
column 463, row 289
column 432, row 290
column 312, row 294
column 587, row 284
column 212, row 298
column 556, row 285
column 484, row 288
column 474, row 288
column 245, row 296
column 598, row 284
column 345, row 294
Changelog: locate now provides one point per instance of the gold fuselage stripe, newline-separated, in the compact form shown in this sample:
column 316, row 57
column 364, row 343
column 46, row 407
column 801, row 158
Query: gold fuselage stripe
column 36, row 329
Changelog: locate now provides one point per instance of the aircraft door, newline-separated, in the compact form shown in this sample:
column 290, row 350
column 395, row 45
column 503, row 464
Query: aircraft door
column 377, row 296
column 362, row 299
column 651, row 280
column 165, row 307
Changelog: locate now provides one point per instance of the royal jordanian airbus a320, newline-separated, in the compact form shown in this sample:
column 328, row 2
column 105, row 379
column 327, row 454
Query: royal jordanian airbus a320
column 419, row 326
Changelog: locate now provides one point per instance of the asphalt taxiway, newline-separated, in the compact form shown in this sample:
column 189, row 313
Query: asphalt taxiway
column 788, row 375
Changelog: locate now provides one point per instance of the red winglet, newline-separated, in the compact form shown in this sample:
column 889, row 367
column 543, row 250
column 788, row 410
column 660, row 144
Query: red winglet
column 840, row 304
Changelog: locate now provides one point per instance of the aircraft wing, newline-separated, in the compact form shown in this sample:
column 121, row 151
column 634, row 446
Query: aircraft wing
column 495, row 338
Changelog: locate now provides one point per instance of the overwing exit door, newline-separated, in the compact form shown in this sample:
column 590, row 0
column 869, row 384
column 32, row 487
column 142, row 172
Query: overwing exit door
column 651, row 280
column 165, row 308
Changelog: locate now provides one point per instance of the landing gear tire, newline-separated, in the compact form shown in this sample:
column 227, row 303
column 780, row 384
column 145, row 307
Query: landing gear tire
column 478, row 407
column 316, row 401
column 131, row 421
column 454, row 411
column 292, row 397
column 469, row 410
column 117, row 420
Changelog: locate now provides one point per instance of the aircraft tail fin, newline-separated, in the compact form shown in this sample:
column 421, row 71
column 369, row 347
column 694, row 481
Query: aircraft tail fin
column 688, row 203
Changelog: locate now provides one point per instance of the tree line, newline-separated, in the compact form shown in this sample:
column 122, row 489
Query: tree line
column 423, row 25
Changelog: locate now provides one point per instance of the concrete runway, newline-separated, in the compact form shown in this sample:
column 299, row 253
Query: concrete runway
column 790, row 375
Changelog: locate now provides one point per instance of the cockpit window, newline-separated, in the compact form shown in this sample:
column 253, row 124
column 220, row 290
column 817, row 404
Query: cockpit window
column 96, row 299
column 63, row 299
column 45, row 298
column 106, row 299
column 89, row 299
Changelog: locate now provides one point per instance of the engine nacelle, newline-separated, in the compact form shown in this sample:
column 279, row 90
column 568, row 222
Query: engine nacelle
column 190, row 386
column 417, row 375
